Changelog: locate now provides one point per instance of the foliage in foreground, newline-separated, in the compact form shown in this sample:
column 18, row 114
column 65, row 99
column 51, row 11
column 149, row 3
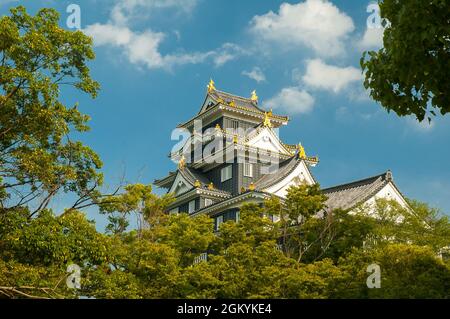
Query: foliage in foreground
column 409, row 75
column 244, row 259
column 304, row 255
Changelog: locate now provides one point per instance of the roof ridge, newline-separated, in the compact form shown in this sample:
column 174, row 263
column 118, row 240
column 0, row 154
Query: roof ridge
column 373, row 190
column 193, row 175
column 238, row 96
column 291, row 161
column 244, row 99
column 258, row 129
column 385, row 176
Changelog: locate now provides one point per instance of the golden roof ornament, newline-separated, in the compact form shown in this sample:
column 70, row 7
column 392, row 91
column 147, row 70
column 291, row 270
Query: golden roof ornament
column 218, row 127
column 232, row 103
column 301, row 151
column 211, row 186
column 235, row 139
column 197, row 184
column 267, row 122
column 252, row 186
column 182, row 162
column 211, row 87
column 254, row 97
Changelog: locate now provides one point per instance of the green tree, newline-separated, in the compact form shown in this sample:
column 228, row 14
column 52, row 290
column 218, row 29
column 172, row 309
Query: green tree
column 416, row 224
column 246, row 258
column 409, row 75
column 302, row 221
column 152, row 262
column 136, row 199
column 407, row 271
column 35, row 253
column 38, row 157
column 345, row 232
column 248, row 263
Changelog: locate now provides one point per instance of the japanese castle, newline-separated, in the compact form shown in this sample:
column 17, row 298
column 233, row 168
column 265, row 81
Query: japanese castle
column 234, row 156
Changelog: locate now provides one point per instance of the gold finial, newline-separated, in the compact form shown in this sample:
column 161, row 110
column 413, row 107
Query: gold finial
column 211, row 86
column 232, row 104
column 220, row 100
column 254, row 97
column 267, row 122
column 252, row 186
column 301, row 151
column 197, row 184
column 182, row 162
column 211, row 186
column 218, row 127
column 235, row 139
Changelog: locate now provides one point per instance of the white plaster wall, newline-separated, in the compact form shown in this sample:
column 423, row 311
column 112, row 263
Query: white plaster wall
column 267, row 141
column 388, row 192
column 179, row 186
column 299, row 175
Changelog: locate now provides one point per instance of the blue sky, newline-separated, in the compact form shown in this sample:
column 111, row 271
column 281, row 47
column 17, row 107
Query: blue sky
column 154, row 59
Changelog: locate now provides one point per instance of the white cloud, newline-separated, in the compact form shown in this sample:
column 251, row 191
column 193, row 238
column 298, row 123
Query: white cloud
column 143, row 47
column 316, row 24
column 292, row 100
column 372, row 39
column 320, row 75
column 255, row 74
column 227, row 52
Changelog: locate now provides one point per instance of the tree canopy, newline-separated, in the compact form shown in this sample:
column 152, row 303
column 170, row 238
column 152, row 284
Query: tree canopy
column 410, row 74
column 38, row 157
column 292, row 248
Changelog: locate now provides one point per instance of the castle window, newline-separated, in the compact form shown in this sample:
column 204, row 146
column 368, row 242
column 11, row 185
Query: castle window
column 191, row 206
column 226, row 173
column 248, row 170
column 208, row 202
column 219, row 221
column 234, row 124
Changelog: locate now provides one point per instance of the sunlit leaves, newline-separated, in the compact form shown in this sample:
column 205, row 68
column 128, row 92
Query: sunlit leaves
column 410, row 74
column 37, row 155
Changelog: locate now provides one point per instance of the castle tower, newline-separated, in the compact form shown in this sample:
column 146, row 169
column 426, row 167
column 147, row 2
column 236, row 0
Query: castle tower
column 234, row 155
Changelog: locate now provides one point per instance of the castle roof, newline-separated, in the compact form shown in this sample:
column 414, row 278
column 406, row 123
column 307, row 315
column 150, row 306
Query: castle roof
column 190, row 175
column 197, row 179
column 220, row 101
column 239, row 101
column 350, row 195
column 284, row 169
column 233, row 201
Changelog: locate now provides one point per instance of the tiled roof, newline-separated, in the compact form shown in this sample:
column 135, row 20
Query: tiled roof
column 242, row 197
column 192, row 176
column 205, row 190
column 189, row 174
column 164, row 181
column 283, row 171
column 347, row 196
column 238, row 100
column 231, row 102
